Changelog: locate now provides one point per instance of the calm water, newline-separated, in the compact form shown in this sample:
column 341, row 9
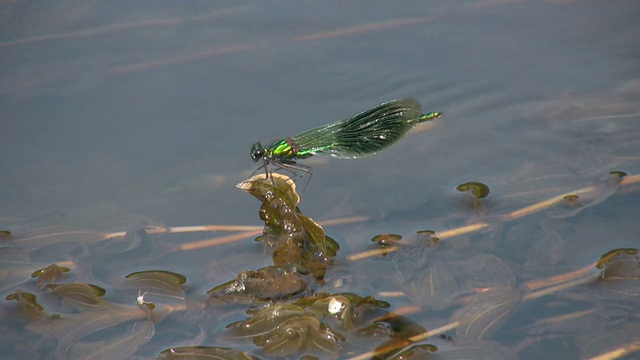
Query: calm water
column 115, row 111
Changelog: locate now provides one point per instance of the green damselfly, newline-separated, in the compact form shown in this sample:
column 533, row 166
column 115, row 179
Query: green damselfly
column 361, row 135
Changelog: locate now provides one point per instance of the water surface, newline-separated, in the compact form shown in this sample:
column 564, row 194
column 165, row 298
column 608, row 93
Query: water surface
column 120, row 114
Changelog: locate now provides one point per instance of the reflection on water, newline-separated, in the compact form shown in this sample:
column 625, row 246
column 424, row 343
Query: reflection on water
column 126, row 127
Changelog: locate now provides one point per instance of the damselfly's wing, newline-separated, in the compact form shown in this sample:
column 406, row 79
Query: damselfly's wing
column 363, row 134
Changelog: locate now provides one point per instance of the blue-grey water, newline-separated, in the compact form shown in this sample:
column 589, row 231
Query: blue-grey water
column 148, row 109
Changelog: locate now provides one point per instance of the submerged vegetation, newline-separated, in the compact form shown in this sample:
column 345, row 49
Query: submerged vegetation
column 406, row 297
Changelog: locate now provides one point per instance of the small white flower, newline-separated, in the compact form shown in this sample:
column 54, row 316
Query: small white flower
column 140, row 298
column 335, row 306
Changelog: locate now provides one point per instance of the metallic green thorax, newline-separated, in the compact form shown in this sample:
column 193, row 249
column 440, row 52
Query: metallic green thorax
column 360, row 135
column 287, row 149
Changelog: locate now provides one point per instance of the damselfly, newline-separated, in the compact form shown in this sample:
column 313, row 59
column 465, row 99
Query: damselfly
column 361, row 135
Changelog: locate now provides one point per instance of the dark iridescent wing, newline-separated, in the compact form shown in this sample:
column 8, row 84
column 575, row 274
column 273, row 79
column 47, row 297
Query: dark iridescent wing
column 363, row 134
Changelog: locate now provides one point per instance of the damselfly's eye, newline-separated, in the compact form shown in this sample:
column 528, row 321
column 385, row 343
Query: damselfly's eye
column 257, row 151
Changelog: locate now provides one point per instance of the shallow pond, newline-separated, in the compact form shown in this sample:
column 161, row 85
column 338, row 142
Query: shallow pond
column 122, row 120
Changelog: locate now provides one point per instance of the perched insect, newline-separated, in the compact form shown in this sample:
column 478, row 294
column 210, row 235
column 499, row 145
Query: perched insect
column 360, row 135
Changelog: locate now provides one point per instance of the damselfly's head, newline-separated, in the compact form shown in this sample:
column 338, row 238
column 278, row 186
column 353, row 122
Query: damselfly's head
column 257, row 151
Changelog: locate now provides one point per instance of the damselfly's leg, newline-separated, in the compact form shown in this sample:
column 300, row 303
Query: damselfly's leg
column 293, row 168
